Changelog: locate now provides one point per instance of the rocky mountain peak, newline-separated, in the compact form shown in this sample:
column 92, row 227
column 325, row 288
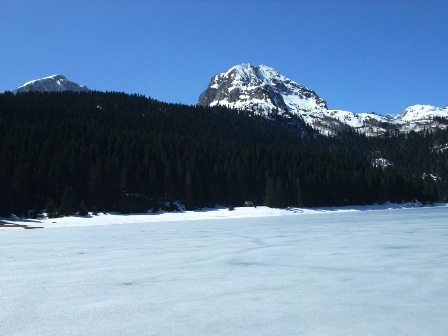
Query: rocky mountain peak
column 261, row 89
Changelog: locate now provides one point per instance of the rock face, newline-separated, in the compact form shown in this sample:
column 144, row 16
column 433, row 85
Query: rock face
column 264, row 91
column 55, row 83
column 260, row 89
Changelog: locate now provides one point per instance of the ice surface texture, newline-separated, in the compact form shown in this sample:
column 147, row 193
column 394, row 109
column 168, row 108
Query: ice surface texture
column 335, row 273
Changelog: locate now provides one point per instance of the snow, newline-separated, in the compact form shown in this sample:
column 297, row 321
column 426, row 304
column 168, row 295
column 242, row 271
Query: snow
column 255, row 271
column 247, row 79
column 52, row 77
column 421, row 112
column 382, row 162
column 295, row 102
column 204, row 214
column 54, row 83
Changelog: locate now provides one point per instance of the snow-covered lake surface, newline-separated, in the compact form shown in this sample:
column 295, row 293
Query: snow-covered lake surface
column 382, row 272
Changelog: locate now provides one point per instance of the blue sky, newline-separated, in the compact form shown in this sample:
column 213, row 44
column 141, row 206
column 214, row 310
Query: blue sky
column 359, row 55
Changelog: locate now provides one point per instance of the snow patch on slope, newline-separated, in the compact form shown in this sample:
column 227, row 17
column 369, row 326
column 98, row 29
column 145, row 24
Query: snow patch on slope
column 422, row 112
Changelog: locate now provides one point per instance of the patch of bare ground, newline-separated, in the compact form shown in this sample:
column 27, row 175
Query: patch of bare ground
column 14, row 225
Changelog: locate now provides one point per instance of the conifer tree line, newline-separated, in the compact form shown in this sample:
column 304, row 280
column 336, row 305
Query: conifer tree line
column 66, row 153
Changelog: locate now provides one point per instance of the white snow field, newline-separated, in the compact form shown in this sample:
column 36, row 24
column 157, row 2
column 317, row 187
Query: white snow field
column 381, row 272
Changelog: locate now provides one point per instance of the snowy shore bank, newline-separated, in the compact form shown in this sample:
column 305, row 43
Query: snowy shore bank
column 202, row 214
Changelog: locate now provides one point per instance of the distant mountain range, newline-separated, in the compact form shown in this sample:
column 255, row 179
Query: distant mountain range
column 264, row 91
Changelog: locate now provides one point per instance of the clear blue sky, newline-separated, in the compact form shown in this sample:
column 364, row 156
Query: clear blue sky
column 359, row 55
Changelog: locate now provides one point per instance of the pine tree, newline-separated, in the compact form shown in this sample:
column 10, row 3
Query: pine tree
column 68, row 204
column 272, row 193
column 299, row 194
column 189, row 192
column 51, row 208
column 82, row 209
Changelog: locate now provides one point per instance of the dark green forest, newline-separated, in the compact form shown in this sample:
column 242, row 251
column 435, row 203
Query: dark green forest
column 67, row 153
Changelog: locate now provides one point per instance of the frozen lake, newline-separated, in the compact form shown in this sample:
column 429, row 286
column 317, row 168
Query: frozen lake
column 379, row 272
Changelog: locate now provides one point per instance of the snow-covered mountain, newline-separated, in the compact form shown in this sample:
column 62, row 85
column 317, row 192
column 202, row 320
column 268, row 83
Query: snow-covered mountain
column 266, row 92
column 259, row 88
column 55, row 83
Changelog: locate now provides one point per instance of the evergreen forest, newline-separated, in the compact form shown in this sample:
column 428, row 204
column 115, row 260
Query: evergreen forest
column 69, row 153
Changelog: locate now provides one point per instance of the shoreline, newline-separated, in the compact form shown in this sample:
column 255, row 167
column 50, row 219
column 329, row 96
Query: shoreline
column 200, row 214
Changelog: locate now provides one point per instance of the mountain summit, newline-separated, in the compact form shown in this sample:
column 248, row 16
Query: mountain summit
column 55, row 83
column 264, row 91
column 260, row 89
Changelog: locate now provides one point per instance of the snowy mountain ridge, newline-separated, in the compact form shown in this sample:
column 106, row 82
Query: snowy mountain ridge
column 264, row 91
column 54, row 83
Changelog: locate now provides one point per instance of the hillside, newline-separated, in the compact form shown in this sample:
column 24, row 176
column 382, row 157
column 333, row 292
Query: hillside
column 70, row 152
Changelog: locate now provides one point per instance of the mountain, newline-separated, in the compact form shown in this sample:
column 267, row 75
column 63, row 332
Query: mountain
column 264, row 91
column 55, row 83
column 259, row 88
